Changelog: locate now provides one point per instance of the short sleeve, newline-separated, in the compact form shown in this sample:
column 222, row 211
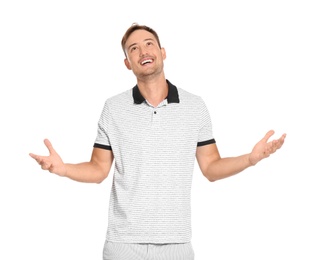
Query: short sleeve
column 205, row 129
column 102, row 140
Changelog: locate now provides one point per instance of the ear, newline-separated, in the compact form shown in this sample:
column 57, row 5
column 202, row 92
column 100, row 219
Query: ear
column 127, row 64
column 163, row 53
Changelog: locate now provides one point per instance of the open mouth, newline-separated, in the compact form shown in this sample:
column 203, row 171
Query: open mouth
column 146, row 61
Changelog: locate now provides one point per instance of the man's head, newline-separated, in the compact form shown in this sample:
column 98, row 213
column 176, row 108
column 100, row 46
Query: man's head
column 143, row 52
column 135, row 27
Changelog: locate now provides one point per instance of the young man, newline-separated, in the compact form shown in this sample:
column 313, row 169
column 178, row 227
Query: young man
column 154, row 132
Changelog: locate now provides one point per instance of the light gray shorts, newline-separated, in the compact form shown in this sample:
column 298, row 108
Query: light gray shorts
column 126, row 251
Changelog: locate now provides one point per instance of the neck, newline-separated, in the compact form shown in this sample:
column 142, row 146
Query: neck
column 154, row 91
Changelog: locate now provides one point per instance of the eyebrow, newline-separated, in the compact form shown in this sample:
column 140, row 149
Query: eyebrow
column 147, row 39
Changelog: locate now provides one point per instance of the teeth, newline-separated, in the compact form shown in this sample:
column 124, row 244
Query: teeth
column 146, row 61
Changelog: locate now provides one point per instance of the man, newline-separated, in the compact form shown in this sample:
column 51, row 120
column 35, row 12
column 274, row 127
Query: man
column 154, row 132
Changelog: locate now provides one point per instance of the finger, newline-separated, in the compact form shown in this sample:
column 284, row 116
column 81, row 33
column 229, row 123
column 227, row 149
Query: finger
column 268, row 135
column 45, row 165
column 274, row 146
column 277, row 144
column 280, row 141
column 49, row 146
column 36, row 157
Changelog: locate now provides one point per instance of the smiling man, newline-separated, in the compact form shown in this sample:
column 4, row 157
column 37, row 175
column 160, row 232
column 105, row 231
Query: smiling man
column 154, row 132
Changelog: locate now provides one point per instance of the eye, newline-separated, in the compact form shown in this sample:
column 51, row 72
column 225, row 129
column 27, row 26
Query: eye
column 149, row 43
column 133, row 48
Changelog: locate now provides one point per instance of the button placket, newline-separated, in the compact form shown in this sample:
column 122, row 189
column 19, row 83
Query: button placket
column 156, row 113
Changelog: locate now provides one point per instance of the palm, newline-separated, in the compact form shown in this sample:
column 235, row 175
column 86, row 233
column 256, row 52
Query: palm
column 52, row 162
column 264, row 148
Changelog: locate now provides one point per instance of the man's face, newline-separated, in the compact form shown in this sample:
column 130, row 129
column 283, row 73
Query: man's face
column 143, row 55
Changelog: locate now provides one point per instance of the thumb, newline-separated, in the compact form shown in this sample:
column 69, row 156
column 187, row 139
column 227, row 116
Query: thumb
column 267, row 136
column 49, row 146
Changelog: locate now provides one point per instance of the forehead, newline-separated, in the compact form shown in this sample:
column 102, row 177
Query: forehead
column 139, row 36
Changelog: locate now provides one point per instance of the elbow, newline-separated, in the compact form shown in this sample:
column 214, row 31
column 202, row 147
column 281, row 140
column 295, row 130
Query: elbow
column 209, row 172
column 101, row 178
column 100, row 181
column 209, row 177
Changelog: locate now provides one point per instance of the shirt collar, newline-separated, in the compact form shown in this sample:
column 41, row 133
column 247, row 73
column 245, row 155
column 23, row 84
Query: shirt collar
column 173, row 96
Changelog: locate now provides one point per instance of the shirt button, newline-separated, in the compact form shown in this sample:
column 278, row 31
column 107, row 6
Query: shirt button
column 155, row 112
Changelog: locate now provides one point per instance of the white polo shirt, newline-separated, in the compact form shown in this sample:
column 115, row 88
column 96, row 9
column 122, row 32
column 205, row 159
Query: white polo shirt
column 154, row 150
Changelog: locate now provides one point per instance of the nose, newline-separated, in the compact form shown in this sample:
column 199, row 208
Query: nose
column 142, row 51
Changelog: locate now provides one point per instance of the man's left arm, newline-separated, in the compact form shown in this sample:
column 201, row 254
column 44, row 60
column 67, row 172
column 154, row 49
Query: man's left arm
column 215, row 168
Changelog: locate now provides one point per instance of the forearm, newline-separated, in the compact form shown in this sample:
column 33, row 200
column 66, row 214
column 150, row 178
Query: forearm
column 226, row 167
column 86, row 172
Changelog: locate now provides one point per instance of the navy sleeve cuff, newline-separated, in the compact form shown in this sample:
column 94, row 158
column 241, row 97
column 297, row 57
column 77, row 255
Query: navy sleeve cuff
column 102, row 146
column 211, row 141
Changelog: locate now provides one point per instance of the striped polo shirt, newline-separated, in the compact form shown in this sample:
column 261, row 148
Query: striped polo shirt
column 154, row 150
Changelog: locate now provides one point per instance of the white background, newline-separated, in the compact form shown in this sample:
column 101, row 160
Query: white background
column 253, row 62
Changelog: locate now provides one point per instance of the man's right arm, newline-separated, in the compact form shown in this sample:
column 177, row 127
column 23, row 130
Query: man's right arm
column 94, row 171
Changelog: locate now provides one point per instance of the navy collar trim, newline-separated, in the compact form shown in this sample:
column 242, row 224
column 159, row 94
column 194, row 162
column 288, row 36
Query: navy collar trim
column 173, row 95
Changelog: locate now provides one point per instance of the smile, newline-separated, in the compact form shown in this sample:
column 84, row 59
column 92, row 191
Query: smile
column 146, row 61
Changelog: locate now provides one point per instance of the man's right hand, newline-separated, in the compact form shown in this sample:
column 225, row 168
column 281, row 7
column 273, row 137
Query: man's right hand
column 53, row 162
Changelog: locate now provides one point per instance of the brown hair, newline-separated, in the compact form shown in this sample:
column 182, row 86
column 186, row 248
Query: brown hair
column 135, row 27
